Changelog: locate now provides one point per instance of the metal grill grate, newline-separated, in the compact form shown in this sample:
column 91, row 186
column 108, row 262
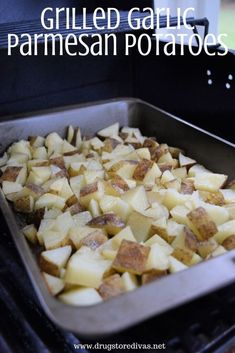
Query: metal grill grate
column 204, row 326
column 35, row 27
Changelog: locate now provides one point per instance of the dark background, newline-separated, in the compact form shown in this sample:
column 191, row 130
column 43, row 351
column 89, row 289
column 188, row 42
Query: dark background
column 177, row 84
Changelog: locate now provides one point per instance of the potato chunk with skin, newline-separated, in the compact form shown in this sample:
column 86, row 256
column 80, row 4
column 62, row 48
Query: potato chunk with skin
column 209, row 181
column 81, row 297
column 137, row 198
column 52, row 261
column 130, row 281
column 24, row 204
column 91, row 191
column 142, row 169
column 229, row 243
column 54, row 284
column 14, row 174
column 111, row 223
column 30, row 232
column 224, row 231
column 203, row 223
column 131, row 257
column 152, row 275
column 86, row 268
column 111, row 287
column 94, row 240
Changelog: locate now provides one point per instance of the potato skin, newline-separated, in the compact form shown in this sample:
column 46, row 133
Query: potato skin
column 24, row 204
column 152, row 275
column 89, row 189
column 213, row 198
column 201, row 220
column 229, row 243
column 142, row 169
column 131, row 257
column 187, row 187
column 111, row 287
column 183, row 255
column 191, row 241
column 94, row 240
column 48, row 267
column 110, row 222
column 75, row 209
column 10, row 174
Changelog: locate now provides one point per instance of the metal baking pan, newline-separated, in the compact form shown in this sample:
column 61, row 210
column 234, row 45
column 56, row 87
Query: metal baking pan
column 159, row 296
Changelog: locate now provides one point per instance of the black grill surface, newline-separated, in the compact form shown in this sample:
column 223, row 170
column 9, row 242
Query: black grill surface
column 204, row 326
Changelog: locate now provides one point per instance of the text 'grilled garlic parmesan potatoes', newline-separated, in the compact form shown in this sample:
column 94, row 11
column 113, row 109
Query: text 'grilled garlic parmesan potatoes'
column 115, row 211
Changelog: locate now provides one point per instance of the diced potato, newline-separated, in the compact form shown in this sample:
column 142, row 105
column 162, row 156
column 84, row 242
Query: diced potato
column 61, row 188
column 54, row 284
column 140, row 225
column 111, row 287
column 136, row 198
column 228, row 195
column 85, row 268
column 115, row 205
column 187, row 187
column 54, row 143
column 186, row 240
column 186, row 161
column 64, row 222
column 206, row 247
column 129, row 281
column 224, row 231
column 152, row 175
column 220, row 250
column 111, row 223
column 24, row 204
column 209, row 181
column 196, row 170
column 157, row 259
column 36, row 141
column 94, row 208
column 15, row 174
column 45, row 225
column 50, row 201
column 183, row 255
column 82, row 218
column 162, row 211
column 91, row 191
column 131, row 257
column 42, row 173
column 30, row 232
column 126, row 234
column 152, row 275
column 205, row 227
column 77, row 234
column 109, row 131
column 77, row 183
column 109, row 254
column 52, row 261
column 142, row 169
column 176, row 265
column 94, row 240
column 81, row 297
column 54, row 239
column 22, row 147
column 229, row 243
column 156, row 239
column 180, row 173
